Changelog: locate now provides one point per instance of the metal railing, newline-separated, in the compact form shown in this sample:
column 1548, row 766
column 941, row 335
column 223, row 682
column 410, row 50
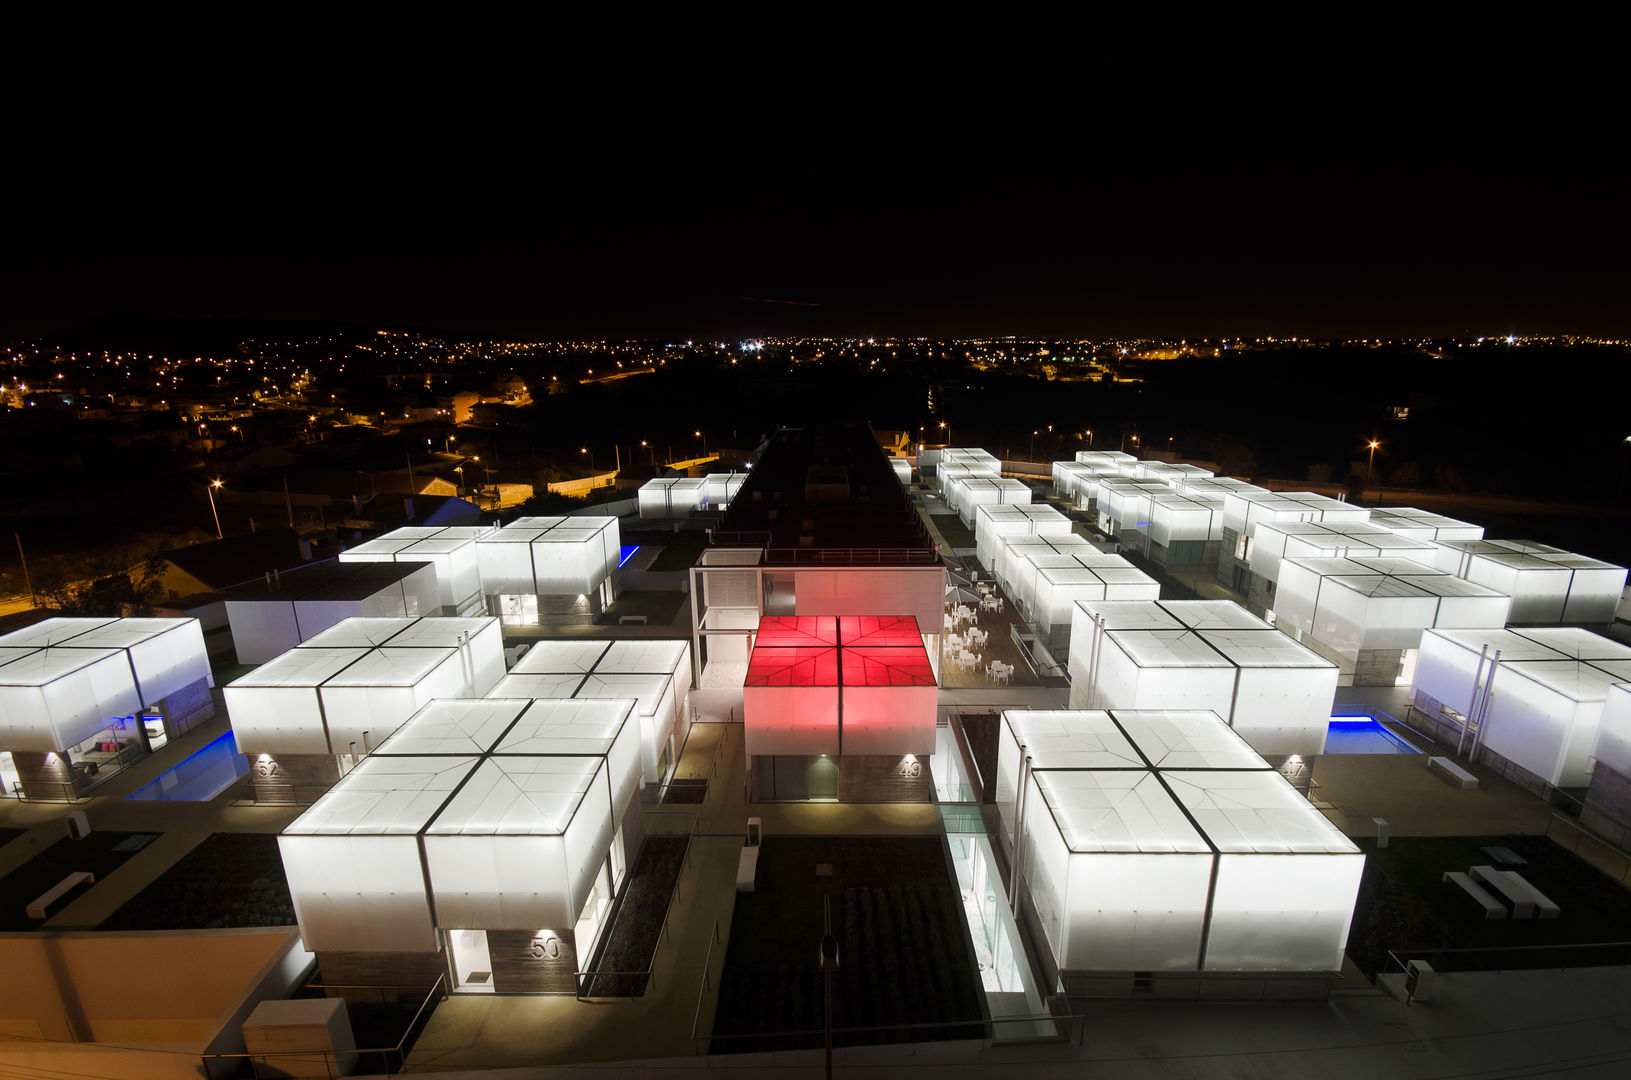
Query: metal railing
column 1064, row 1026
column 387, row 1060
column 1514, row 957
column 639, row 981
column 1387, row 718
column 1600, row 852
column 859, row 556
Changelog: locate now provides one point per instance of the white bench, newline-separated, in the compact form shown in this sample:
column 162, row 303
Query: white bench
column 1455, row 772
column 1545, row 908
column 1493, row 908
column 747, row 869
column 1523, row 904
column 36, row 910
column 628, row 620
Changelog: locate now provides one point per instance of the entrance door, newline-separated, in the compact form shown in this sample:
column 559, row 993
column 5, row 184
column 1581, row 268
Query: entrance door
column 822, row 779
column 472, row 965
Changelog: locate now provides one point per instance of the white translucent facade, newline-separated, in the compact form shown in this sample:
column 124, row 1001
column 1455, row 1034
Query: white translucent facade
column 670, row 497
column 718, row 489
column 991, row 523
column 954, row 462
column 319, row 699
column 1276, row 693
column 655, row 673
column 482, row 634
column 268, row 622
column 1159, row 842
column 1192, row 518
column 1243, row 509
column 1273, row 541
column 1019, row 555
column 1547, row 585
column 451, row 550
column 62, row 679
column 1080, row 481
column 506, row 820
column 1350, row 605
column 1541, row 707
column 1056, row 590
column 1124, row 504
column 1613, row 747
column 1109, row 459
column 965, row 493
column 550, row 556
column 903, row 470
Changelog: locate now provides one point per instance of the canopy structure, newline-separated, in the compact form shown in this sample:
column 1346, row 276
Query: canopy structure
column 1424, row 525
column 965, row 494
column 850, row 685
column 62, row 679
column 655, row 673
column 271, row 617
column 1273, row 541
column 347, row 699
column 1276, row 693
column 451, row 550
column 1547, row 584
column 492, row 814
column 549, row 556
column 1349, row 605
column 992, row 522
column 1160, row 842
column 1540, row 707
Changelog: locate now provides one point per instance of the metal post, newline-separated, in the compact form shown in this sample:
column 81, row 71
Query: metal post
column 1472, row 706
column 27, row 581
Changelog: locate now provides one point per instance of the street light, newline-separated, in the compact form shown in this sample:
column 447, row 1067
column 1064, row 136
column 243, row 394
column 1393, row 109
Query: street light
column 1370, row 461
column 1033, row 445
column 1089, row 434
column 591, row 453
column 947, row 430
column 210, row 491
column 460, row 489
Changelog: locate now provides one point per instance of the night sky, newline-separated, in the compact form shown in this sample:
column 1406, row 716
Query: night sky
column 507, row 174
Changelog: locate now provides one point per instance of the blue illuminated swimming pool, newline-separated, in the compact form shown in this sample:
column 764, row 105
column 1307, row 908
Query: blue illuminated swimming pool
column 1363, row 735
column 199, row 777
column 628, row 553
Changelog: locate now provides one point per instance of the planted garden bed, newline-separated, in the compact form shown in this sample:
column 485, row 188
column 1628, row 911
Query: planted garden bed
column 100, row 854
column 903, row 952
column 229, row 880
column 637, row 925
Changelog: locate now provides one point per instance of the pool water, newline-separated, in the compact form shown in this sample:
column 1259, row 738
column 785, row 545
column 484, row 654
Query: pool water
column 199, row 777
column 1363, row 735
column 628, row 553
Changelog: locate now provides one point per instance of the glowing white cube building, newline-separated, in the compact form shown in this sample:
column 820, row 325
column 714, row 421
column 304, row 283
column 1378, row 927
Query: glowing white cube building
column 1158, row 842
column 1367, row 615
column 274, row 616
column 479, row 823
column 1608, row 799
column 992, row 522
column 451, row 550
column 1547, row 585
column 966, row 493
column 549, row 570
column 1276, row 693
column 1424, row 525
column 655, row 673
column 1534, row 711
column 1185, row 528
column 671, row 497
column 83, row 698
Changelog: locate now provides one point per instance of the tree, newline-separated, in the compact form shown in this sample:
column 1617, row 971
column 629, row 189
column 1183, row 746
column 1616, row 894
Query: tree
column 1320, row 473
column 1408, row 475
column 128, row 593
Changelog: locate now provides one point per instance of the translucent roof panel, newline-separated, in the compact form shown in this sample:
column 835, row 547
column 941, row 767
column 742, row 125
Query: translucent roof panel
column 1574, row 679
column 302, row 667
column 538, row 522
column 569, row 726
column 1187, row 739
column 40, row 666
column 644, row 657
column 880, row 666
column 1578, row 644
column 1263, row 649
column 388, row 544
column 1131, row 614
column 1255, row 812
column 1128, row 811
column 797, row 630
column 647, row 690
column 518, row 796
column 123, row 633
column 441, row 632
column 356, row 633
column 1168, row 648
column 557, row 657
column 454, row 726
column 537, row 685
column 793, row 667
column 879, row 630
column 1072, row 739
column 1512, row 645
column 1212, row 615
column 51, row 632
column 384, row 796
column 389, row 667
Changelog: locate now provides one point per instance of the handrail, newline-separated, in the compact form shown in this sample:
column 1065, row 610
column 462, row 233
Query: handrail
column 1397, row 956
column 1071, row 1019
column 696, row 1014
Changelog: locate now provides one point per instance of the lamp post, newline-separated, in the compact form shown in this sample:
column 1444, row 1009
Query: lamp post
column 829, row 964
column 210, row 491
column 1089, row 434
column 1370, row 461
column 460, row 470
column 702, row 444
column 946, row 441
column 591, row 453
column 1033, row 446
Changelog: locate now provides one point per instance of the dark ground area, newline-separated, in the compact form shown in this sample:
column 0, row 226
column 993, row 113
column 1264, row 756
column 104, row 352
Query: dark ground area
column 1403, row 905
column 658, row 606
column 638, row 924
column 229, row 880
column 902, row 950
column 952, row 528
column 685, row 792
column 679, row 550
column 8, row 835
column 100, row 853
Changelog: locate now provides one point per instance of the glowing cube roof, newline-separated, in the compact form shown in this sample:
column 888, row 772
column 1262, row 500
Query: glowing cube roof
column 852, row 650
column 778, row 631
